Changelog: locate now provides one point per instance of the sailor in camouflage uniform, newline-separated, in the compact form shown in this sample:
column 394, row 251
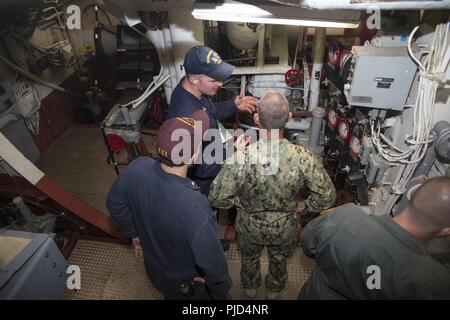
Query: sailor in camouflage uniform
column 265, row 189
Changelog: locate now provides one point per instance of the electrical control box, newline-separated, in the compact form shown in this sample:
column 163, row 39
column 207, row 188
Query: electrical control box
column 382, row 77
column 31, row 267
column 17, row 133
column 376, row 168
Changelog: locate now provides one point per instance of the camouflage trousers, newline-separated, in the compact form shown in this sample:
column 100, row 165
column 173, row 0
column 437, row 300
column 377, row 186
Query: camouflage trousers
column 250, row 263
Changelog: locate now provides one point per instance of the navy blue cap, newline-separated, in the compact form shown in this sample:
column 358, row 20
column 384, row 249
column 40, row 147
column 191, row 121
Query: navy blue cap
column 204, row 60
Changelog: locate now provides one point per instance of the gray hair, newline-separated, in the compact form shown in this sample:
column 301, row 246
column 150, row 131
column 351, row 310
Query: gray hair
column 273, row 110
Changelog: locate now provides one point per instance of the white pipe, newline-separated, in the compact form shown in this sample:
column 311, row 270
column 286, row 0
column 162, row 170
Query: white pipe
column 157, row 39
column 318, row 53
column 316, row 127
column 170, row 58
column 186, row 32
column 261, row 38
column 298, row 46
column 243, row 83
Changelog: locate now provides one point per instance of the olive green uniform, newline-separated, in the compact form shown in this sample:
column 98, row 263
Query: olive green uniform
column 265, row 189
column 369, row 257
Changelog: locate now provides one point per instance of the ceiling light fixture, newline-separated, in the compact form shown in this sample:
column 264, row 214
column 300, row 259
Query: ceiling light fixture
column 234, row 11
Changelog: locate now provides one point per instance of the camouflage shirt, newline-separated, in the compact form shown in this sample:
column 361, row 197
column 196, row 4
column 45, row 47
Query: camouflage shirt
column 264, row 181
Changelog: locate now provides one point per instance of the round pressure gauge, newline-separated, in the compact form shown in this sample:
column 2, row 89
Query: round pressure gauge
column 344, row 129
column 355, row 145
column 344, row 57
column 332, row 118
column 333, row 54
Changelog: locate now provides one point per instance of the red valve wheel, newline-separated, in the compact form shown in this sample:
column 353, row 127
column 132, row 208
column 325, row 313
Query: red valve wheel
column 115, row 142
column 293, row 77
column 345, row 56
column 334, row 54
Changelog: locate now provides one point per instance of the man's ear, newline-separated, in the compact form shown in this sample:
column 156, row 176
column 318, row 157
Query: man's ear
column 290, row 116
column 256, row 119
column 443, row 233
column 193, row 80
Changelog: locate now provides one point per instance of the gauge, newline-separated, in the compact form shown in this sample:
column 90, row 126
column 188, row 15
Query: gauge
column 332, row 118
column 355, row 145
column 344, row 58
column 344, row 129
column 333, row 54
column 345, row 64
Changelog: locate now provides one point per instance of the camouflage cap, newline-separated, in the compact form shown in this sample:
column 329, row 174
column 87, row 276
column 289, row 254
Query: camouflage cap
column 181, row 132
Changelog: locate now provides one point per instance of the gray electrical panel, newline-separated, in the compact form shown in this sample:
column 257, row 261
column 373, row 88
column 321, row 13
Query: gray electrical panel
column 17, row 133
column 376, row 168
column 31, row 267
column 382, row 77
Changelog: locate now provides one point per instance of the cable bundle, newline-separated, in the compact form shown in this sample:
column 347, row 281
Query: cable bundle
column 28, row 104
column 431, row 75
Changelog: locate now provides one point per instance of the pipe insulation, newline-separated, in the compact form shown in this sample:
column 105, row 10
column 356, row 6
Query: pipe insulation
column 318, row 54
column 316, row 127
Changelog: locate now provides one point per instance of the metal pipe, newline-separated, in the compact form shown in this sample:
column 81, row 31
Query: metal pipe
column 440, row 145
column 261, row 38
column 33, row 77
column 442, row 129
column 318, row 53
column 410, row 186
column 240, row 59
column 427, row 162
column 316, row 127
column 243, row 83
column 157, row 39
column 298, row 124
column 168, row 49
column 298, row 46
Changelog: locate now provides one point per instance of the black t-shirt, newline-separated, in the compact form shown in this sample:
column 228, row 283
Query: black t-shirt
column 184, row 104
column 176, row 226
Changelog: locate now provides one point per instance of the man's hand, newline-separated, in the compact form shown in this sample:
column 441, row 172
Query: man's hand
column 242, row 141
column 246, row 103
column 138, row 251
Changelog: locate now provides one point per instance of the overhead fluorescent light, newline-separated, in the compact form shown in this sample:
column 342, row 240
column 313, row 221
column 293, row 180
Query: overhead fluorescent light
column 235, row 11
column 268, row 20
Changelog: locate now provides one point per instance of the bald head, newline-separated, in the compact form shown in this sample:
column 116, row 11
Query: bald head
column 430, row 204
column 273, row 110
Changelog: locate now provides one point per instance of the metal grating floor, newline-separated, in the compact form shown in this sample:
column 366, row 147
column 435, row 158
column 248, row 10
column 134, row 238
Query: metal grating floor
column 110, row 271
column 77, row 161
